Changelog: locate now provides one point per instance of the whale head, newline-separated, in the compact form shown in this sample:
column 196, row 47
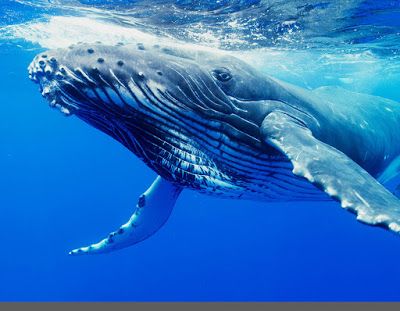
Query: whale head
column 130, row 91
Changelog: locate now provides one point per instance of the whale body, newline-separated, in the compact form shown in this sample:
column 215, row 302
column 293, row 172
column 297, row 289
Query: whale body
column 210, row 122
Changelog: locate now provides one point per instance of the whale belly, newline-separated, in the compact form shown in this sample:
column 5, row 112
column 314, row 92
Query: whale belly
column 230, row 170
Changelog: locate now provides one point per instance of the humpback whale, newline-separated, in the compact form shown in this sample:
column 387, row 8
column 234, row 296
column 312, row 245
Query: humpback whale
column 209, row 122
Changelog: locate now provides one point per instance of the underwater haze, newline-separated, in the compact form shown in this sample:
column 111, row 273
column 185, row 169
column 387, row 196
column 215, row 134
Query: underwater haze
column 64, row 184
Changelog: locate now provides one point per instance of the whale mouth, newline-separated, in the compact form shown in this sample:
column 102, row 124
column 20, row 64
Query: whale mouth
column 48, row 74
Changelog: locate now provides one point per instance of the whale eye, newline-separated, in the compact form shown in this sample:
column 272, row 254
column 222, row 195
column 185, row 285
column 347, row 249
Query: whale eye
column 222, row 74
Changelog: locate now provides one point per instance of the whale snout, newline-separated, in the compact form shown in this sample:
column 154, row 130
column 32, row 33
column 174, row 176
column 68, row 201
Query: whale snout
column 91, row 77
column 41, row 66
column 46, row 71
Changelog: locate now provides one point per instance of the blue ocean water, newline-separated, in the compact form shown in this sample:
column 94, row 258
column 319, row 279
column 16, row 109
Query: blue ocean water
column 64, row 184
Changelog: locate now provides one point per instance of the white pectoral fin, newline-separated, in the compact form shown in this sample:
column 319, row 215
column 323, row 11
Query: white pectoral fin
column 333, row 171
column 152, row 211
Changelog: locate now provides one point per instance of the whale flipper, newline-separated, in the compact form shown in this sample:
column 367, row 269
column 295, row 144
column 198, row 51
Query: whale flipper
column 326, row 167
column 152, row 211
